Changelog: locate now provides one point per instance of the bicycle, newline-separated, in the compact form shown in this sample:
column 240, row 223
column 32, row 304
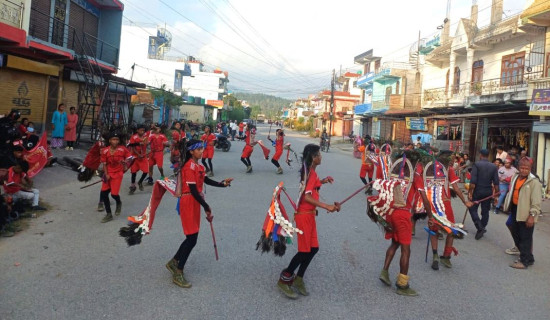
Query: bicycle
column 325, row 145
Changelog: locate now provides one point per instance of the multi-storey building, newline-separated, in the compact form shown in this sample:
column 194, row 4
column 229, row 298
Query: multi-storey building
column 54, row 51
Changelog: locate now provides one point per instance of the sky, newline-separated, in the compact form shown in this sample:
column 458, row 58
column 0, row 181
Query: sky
column 286, row 48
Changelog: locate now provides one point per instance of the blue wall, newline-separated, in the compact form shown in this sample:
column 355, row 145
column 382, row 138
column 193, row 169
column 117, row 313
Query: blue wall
column 110, row 28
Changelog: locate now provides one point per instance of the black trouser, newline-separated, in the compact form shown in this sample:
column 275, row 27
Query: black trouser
column 209, row 166
column 523, row 237
column 301, row 259
column 185, row 249
column 485, row 208
column 104, row 196
column 246, row 161
column 143, row 176
column 276, row 163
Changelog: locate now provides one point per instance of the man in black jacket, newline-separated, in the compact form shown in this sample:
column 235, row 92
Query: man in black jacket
column 484, row 183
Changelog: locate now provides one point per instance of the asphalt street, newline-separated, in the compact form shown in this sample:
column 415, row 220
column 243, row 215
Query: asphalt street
column 68, row 265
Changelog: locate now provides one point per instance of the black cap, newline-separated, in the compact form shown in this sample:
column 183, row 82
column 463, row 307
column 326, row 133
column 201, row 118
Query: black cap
column 484, row 152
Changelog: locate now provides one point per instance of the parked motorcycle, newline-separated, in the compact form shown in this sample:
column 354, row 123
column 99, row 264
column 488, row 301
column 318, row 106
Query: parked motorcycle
column 222, row 143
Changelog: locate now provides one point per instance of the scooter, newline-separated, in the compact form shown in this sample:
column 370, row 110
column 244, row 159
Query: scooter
column 222, row 143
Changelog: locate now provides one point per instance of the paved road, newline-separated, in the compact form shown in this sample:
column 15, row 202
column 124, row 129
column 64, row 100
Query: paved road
column 67, row 265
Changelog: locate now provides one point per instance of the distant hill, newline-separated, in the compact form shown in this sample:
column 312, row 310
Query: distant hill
column 263, row 103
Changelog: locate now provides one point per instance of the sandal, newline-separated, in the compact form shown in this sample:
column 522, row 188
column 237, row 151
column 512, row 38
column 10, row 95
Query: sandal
column 518, row 265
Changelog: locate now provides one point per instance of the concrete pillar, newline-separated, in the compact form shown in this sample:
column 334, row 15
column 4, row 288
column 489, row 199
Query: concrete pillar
column 496, row 11
column 452, row 62
column 469, row 65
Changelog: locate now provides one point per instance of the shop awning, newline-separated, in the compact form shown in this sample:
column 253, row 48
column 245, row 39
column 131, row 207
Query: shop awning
column 473, row 115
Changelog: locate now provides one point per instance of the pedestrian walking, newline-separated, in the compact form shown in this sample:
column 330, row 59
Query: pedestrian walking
column 190, row 192
column 59, row 122
column 308, row 243
column 524, row 202
column 70, row 128
column 484, row 183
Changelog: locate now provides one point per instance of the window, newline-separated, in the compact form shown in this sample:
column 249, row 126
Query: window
column 456, row 80
column 512, row 69
column 388, row 94
column 477, row 77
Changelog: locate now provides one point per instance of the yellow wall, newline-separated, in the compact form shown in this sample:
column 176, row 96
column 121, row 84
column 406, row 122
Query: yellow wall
column 24, row 91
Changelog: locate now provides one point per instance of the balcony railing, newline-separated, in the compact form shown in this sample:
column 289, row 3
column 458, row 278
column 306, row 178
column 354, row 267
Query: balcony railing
column 482, row 88
column 11, row 13
column 55, row 31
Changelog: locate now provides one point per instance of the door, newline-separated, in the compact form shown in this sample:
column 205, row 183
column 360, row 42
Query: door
column 477, row 77
column 53, row 95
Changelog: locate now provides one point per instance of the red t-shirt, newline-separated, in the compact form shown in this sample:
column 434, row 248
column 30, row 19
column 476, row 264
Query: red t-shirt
column 142, row 147
column 417, row 186
column 209, row 139
column 312, row 187
column 241, row 126
column 279, row 144
column 23, row 130
column 115, row 161
column 176, row 136
column 452, row 179
column 14, row 179
column 193, row 173
column 157, row 142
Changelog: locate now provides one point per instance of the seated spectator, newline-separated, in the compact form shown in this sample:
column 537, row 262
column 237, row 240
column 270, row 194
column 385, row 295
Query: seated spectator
column 505, row 174
column 19, row 186
column 22, row 128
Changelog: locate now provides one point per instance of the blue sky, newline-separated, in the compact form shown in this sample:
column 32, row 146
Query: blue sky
column 288, row 48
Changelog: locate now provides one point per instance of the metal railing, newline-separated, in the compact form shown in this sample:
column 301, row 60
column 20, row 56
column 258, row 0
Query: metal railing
column 57, row 32
column 11, row 13
column 482, row 88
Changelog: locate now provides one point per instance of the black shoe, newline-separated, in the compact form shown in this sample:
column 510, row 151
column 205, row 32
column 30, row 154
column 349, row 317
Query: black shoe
column 38, row 208
column 150, row 181
column 479, row 233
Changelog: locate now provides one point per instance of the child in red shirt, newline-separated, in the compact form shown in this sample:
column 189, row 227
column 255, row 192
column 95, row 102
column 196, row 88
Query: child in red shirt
column 308, row 244
column 19, row 186
column 138, row 148
column 114, row 159
column 157, row 142
column 278, row 143
column 209, row 139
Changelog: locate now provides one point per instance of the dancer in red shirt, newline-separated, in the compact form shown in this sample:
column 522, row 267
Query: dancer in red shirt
column 138, row 148
column 308, row 244
column 114, row 159
column 278, row 143
column 190, row 191
column 445, row 158
column 250, row 134
column 157, row 142
column 367, row 166
column 209, row 139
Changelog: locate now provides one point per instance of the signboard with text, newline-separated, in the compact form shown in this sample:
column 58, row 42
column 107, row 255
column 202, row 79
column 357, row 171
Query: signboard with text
column 416, row 124
column 540, row 103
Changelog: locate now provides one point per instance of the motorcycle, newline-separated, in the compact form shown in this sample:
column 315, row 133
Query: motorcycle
column 222, row 143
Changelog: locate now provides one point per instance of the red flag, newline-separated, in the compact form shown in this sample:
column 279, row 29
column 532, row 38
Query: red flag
column 37, row 157
column 438, row 167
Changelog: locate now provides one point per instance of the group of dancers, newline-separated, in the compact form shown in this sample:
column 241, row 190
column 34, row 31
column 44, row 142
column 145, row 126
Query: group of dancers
column 401, row 199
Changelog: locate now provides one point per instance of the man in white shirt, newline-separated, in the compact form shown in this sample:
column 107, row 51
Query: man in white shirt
column 501, row 154
column 233, row 126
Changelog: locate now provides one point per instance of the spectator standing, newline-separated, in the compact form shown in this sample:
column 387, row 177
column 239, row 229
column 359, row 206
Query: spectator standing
column 501, row 154
column 484, row 183
column 465, row 167
column 241, row 128
column 59, row 121
column 234, row 128
column 505, row 174
column 524, row 202
column 70, row 128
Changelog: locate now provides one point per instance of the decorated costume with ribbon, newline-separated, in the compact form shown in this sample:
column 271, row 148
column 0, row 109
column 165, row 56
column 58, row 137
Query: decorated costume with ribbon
column 277, row 230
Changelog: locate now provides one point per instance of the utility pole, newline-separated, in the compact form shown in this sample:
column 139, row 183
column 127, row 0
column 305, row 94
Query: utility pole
column 331, row 106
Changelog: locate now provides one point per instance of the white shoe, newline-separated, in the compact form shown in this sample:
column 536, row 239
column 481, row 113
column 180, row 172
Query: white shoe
column 512, row 251
column 71, row 148
column 66, row 148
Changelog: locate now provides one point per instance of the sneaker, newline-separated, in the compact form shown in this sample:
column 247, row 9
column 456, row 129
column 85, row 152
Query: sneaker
column 435, row 263
column 446, row 261
column 249, row 169
column 279, row 170
column 385, row 277
column 286, row 290
column 71, row 148
column 100, row 207
column 210, row 174
column 118, row 209
column 479, row 234
column 180, row 280
column 405, row 291
column 38, row 208
column 161, row 177
column 140, row 186
column 108, row 217
column 300, row 286
column 514, row 251
column 67, row 148
column 150, row 181
column 172, row 266
column 132, row 190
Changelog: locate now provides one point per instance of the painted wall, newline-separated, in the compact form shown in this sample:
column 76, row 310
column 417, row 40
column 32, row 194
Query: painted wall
column 110, row 24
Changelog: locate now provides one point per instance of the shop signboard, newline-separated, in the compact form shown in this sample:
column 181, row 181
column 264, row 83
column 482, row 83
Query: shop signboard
column 416, row 123
column 540, row 103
